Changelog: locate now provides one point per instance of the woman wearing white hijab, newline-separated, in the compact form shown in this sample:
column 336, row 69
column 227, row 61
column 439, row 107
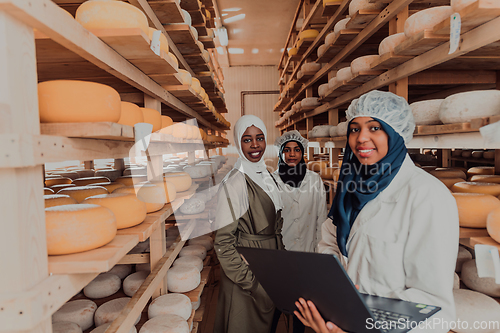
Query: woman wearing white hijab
column 248, row 214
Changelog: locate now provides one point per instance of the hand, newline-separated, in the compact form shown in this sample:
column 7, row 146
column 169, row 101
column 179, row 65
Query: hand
column 310, row 316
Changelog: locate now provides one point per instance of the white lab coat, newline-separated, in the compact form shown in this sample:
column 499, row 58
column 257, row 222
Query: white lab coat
column 404, row 243
column 304, row 211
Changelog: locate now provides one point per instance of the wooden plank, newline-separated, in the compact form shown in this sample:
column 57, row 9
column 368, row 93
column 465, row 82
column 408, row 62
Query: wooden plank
column 181, row 217
column 208, row 42
column 484, row 240
column 388, row 61
column 292, row 28
column 450, row 77
column 136, row 258
column 303, row 45
column 102, row 130
column 422, row 42
column 166, row 79
column 329, row 8
column 443, row 129
column 190, row 5
column 365, row 76
column 167, row 11
column 340, row 41
column 362, row 18
column 194, row 295
column 94, row 261
column 473, row 232
column 180, row 34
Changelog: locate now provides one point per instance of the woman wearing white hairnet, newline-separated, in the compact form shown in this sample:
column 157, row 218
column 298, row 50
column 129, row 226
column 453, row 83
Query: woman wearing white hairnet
column 395, row 227
column 248, row 214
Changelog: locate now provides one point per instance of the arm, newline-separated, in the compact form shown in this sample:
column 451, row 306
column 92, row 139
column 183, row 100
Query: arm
column 328, row 243
column 321, row 209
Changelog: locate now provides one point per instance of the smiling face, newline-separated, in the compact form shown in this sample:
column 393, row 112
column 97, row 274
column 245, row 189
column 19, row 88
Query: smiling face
column 367, row 140
column 253, row 144
column 293, row 154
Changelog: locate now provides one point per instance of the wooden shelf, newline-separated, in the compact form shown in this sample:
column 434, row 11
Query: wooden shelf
column 473, row 232
column 181, row 34
column 194, row 295
column 484, row 240
column 188, row 193
column 362, row 18
column 185, row 217
column 444, row 129
column 329, row 9
column 103, row 130
column 167, row 11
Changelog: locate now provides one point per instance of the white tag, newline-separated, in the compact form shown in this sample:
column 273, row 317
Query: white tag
column 491, row 132
column 455, row 26
column 487, row 262
column 155, row 42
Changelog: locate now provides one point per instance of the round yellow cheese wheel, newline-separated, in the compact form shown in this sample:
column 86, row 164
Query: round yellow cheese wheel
column 196, row 85
column 447, row 173
column 493, row 224
column 486, row 178
column 473, row 208
column 181, row 180
column 169, row 190
column 185, row 77
column 293, row 51
column 129, row 211
column 111, row 15
column 163, row 39
column 153, row 196
column 180, row 130
column 52, row 200
column 166, row 121
column 131, row 114
column 481, row 170
column 173, row 60
column 450, row 181
column 59, row 187
column 329, row 173
column 47, row 191
column 110, row 186
column 153, row 117
column 311, row 33
column 90, row 180
column 317, row 166
column 473, row 187
column 57, row 181
column 78, row 228
column 80, row 193
column 68, row 101
column 131, row 180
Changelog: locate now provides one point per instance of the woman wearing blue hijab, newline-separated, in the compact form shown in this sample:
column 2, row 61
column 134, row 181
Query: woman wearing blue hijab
column 393, row 226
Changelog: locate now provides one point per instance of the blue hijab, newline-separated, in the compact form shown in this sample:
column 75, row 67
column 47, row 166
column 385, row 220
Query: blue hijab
column 358, row 183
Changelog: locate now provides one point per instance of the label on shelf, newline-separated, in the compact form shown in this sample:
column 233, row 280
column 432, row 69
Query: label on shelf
column 487, row 261
column 455, row 27
column 155, row 42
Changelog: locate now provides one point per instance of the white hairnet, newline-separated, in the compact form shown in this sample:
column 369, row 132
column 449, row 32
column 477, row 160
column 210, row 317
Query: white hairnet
column 386, row 106
column 291, row 136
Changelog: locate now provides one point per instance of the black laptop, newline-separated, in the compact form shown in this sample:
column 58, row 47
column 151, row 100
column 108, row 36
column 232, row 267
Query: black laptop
column 287, row 275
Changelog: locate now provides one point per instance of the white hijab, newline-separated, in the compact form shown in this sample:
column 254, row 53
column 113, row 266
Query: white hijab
column 256, row 171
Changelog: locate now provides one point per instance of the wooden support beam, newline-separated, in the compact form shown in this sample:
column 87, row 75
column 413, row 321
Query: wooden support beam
column 88, row 164
column 451, row 77
column 396, row 25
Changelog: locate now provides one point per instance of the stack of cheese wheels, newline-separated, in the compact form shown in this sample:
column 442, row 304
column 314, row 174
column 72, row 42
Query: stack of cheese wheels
column 485, row 285
column 122, row 271
column 128, row 210
column 110, row 186
column 131, row 180
column 473, row 187
column 109, row 311
column 181, row 279
column 473, row 208
column 181, row 180
column 458, row 5
column 481, row 170
column 111, row 15
column 473, row 308
column 166, row 121
column 131, row 114
column 89, row 181
column 486, row 178
column 66, row 327
column 426, row 112
column 67, row 101
column 134, row 281
column 163, row 39
column 104, row 285
column 388, row 44
column 426, row 19
column 80, row 193
column 362, row 64
column 78, row 228
column 177, row 304
column 192, row 261
column 153, row 117
column 52, row 200
column 165, row 323
column 57, row 181
column 152, row 195
column 463, row 107
column 80, row 312
column 317, row 166
column 344, row 74
column 194, row 250
column 112, row 174
column 205, row 241
column 493, row 224
column 103, row 328
column 357, row 5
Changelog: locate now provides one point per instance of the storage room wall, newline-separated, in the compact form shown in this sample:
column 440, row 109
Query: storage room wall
column 252, row 78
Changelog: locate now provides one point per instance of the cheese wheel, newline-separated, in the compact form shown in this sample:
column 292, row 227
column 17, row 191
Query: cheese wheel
column 486, row 178
column 485, row 285
column 47, row 191
column 80, row 193
column 192, row 206
column 66, row 327
column 481, row 170
column 136, row 171
column 456, row 282
column 122, row 271
column 332, row 82
column 333, row 131
column 52, row 200
column 103, row 328
column 110, row 186
column 344, row 74
column 181, row 180
column 167, row 323
column 80, row 312
column 341, row 25
column 388, row 44
column 363, row 64
column 169, row 188
column 321, row 131
column 153, row 117
column 173, row 60
column 489, row 154
column 477, row 154
column 357, row 5
column 109, row 311
column 323, row 90
column 205, row 241
column 310, row 33
column 458, row 5
column 67, row 101
column 68, row 174
column 49, row 182
column 129, row 211
column 163, row 39
column 196, row 85
column 187, row 17
column 131, row 114
column 316, row 166
column 322, row 49
column 131, row 180
column 176, row 304
column 133, row 282
column 194, row 32
column 462, row 256
column 111, row 15
column 310, row 67
column 493, row 225
column 192, row 261
column 112, row 174
column 293, row 51
column 89, row 180
column 185, row 77
column 196, row 305
column 180, row 130
column 426, row 112
column 104, row 285
column 329, row 173
column 58, row 188
column 473, row 208
column 181, row 279
column 197, row 171
column 166, row 121
column 151, row 194
column 468, row 105
column 342, row 128
column 426, row 19
column 473, row 187
column 447, row 173
column 194, row 250
column 85, row 173
column 475, row 308
column 449, row 182
column 309, row 102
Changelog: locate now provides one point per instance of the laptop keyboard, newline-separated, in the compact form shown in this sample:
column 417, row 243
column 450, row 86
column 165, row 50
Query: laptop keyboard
column 388, row 316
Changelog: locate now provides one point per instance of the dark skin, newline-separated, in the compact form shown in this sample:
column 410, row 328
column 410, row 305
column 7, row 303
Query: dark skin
column 253, row 144
column 293, row 154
